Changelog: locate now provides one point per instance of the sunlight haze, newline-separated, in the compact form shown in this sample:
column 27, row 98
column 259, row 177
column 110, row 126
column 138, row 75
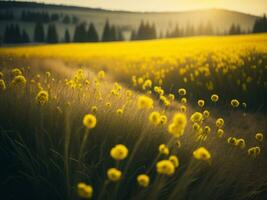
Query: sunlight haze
column 257, row 7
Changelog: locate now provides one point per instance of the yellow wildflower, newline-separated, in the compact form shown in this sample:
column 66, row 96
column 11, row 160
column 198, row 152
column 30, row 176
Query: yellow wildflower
column 174, row 160
column 183, row 100
column 42, row 97
column 231, row 140
column 144, row 102
column 182, row 92
column 165, row 167
column 101, row 74
column 254, row 151
column 234, row 103
column 89, row 121
column 201, row 103
column 143, row 180
column 163, row 119
column 196, row 117
column 176, row 128
column 120, row 111
column 202, row 154
column 163, row 149
column 19, row 81
column 259, row 137
column 84, row 190
column 171, row 97
column 2, row 85
column 114, row 174
column 206, row 114
column 219, row 122
column 220, row 132
column 16, row 72
column 240, row 143
column 214, row 98
column 154, row 117
column 183, row 108
column 119, row 152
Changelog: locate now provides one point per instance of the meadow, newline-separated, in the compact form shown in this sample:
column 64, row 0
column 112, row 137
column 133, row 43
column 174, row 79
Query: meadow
column 165, row 119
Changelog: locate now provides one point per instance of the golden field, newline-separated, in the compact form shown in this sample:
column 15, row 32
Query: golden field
column 164, row 119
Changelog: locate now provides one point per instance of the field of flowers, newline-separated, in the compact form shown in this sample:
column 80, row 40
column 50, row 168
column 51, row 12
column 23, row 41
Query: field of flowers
column 166, row 119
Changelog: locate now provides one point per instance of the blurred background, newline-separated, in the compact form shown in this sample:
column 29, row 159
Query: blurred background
column 31, row 22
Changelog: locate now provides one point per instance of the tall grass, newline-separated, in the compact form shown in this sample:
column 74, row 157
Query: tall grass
column 44, row 153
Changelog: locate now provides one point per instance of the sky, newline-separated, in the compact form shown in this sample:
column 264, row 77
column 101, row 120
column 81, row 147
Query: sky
column 257, row 7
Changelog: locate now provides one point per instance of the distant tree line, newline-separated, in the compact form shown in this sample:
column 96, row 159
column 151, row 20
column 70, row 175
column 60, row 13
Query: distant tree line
column 45, row 17
column 13, row 34
column 40, row 16
column 235, row 29
column 31, row 16
column 7, row 15
column 260, row 25
column 84, row 34
column 87, row 32
column 145, row 31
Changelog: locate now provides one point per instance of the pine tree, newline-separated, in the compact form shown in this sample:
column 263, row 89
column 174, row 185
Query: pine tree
column 106, row 36
column 232, row 29
column 133, row 35
column 67, row 36
column 119, row 35
column 146, row 31
column 260, row 25
column 17, row 35
column 235, row 29
column 80, row 33
column 39, row 35
column 25, row 37
column 113, row 34
column 92, row 34
column 52, row 36
column 7, row 34
column 141, row 31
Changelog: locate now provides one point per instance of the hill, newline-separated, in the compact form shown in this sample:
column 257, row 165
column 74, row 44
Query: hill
column 220, row 19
